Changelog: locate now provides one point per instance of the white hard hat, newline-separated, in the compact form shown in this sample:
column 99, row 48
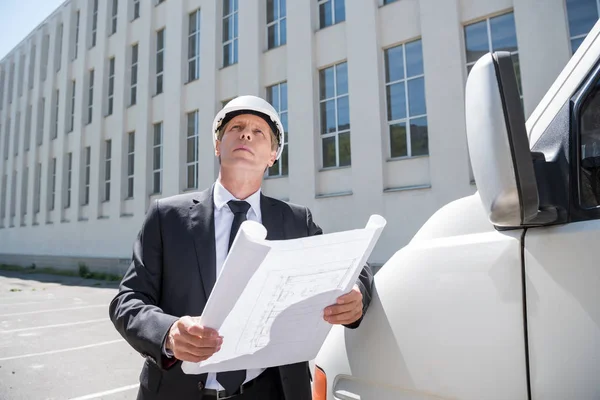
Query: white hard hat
column 250, row 105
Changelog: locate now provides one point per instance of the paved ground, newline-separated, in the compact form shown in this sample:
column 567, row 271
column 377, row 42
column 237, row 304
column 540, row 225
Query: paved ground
column 57, row 342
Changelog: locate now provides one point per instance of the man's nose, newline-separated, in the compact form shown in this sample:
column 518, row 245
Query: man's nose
column 246, row 134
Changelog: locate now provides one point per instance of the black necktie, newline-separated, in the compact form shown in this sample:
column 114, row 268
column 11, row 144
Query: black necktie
column 232, row 380
column 239, row 208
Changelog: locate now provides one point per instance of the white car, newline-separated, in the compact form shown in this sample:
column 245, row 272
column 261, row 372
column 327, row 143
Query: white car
column 498, row 294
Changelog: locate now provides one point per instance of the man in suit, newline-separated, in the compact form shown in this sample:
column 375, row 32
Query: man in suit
column 180, row 250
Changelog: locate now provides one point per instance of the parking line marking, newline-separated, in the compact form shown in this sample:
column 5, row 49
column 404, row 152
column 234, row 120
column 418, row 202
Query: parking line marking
column 45, row 353
column 113, row 391
column 56, row 325
column 53, row 310
column 21, row 304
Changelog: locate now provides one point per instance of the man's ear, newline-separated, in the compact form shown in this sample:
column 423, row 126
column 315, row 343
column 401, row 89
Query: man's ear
column 273, row 158
column 218, row 148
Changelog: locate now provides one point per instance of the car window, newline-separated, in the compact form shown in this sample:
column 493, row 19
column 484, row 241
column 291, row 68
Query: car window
column 589, row 154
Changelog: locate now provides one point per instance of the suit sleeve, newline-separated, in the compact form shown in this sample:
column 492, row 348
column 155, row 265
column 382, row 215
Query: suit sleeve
column 134, row 311
column 365, row 279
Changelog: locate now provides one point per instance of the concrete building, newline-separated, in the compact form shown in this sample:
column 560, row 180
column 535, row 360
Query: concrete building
column 108, row 104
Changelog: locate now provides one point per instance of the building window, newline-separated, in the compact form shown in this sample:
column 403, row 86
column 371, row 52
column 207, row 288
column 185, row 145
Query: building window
column 32, row 65
column 21, row 75
column 94, row 23
column 13, row 198
column 41, row 118
column 2, row 82
column 45, row 54
column 157, row 158
column 582, row 15
column 90, row 107
column 28, row 113
column 52, row 184
column 157, row 2
column 134, row 75
column 136, row 10
column 72, row 121
column 111, row 85
column 160, row 60
column 194, row 46
column 107, row 159
column 192, row 150
column 59, row 39
column 277, row 96
column 7, row 139
column 335, row 116
column 276, row 23
column 405, row 94
column 17, row 133
column 76, row 44
column 11, row 82
column 113, row 18
column 493, row 34
column 130, row 163
column 69, row 181
column 56, row 114
column 24, row 192
column 230, row 32
column 38, row 188
column 88, row 165
column 386, row 2
column 331, row 12
column 3, row 202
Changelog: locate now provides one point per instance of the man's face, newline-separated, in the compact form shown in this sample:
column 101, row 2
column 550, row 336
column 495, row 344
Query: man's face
column 246, row 142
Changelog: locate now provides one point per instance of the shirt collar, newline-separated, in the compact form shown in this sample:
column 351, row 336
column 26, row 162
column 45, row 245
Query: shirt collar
column 222, row 196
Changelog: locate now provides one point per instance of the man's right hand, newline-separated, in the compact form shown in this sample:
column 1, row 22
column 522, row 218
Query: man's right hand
column 190, row 341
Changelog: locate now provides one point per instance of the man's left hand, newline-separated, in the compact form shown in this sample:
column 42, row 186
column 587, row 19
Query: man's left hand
column 348, row 308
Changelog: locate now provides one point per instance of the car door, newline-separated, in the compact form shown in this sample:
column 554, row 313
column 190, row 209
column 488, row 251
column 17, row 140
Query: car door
column 562, row 266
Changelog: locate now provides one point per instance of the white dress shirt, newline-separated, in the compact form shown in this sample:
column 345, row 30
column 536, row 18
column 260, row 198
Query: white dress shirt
column 223, row 222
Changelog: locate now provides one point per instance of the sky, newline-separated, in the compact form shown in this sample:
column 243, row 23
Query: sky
column 19, row 17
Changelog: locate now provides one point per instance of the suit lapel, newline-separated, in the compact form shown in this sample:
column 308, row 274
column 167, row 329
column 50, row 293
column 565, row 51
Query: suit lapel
column 272, row 218
column 202, row 228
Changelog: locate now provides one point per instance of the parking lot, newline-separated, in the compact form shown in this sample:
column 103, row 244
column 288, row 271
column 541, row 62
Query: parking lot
column 57, row 342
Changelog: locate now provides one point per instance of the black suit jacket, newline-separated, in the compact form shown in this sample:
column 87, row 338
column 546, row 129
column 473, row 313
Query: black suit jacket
column 172, row 273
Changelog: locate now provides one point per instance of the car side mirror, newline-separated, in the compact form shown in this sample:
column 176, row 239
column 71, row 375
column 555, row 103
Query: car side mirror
column 498, row 143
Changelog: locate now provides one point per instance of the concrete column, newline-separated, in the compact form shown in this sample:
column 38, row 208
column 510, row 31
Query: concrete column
column 33, row 147
column 18, row 132
column 11, row 163
column 95, row 131
column 445, row 74
column 121, row 104
column 250, row 17
column 176, row 42
column 209, row 65
column 4, row 90
column 365, row 81
column 543, row 51
column 81, row 75
column 63, row 83
column 48, row 88
column 302, row 101
column 144, row 135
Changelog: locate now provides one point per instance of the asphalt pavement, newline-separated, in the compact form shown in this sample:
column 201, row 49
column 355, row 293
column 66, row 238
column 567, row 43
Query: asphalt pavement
column 57, row 341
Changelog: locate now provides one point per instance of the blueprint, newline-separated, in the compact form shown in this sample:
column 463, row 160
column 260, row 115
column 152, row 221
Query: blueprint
column 268, row 301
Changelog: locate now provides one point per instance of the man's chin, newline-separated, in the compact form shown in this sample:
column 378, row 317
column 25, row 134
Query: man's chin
column 243, row 162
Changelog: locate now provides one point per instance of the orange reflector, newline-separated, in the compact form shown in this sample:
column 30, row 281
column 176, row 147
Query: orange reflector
column 320, row 385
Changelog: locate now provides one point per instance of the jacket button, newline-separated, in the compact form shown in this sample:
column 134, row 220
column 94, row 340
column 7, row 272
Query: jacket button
column 200, row 386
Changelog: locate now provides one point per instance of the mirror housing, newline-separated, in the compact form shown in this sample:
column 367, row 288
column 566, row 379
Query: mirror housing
column 498, row 143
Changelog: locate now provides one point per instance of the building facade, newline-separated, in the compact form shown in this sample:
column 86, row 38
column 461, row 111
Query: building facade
column 108, row 105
